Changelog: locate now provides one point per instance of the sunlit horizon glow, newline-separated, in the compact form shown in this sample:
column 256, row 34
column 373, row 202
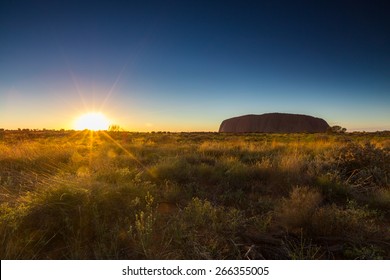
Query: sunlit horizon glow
column 92, row 121
column 189, row 65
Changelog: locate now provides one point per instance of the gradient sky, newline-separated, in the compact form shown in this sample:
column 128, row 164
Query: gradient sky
column 187, row 65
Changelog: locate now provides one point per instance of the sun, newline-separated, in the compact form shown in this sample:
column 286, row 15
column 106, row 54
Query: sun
column 92, row 121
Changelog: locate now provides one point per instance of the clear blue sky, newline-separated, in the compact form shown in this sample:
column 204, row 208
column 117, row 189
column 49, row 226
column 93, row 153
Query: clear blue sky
column 187, row 65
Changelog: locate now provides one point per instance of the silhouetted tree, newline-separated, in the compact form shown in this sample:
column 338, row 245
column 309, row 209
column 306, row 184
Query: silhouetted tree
column 336, row 129
column 114, row 127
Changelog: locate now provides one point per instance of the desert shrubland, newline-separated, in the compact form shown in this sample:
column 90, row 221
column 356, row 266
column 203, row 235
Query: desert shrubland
column 122, row 195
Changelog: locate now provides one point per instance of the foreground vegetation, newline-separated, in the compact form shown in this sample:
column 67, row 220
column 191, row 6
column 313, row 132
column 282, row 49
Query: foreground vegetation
column 120, row 195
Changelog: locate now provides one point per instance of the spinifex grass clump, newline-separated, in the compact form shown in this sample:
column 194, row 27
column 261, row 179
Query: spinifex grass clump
column 121, row 195
column 365, row 166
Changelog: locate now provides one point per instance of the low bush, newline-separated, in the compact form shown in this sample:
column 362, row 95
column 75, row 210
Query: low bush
column 296, row 211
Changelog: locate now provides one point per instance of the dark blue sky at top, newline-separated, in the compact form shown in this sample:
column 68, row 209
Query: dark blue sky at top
column 241, row 55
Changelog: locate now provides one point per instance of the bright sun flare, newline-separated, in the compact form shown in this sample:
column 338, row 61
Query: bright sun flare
column 92, row 121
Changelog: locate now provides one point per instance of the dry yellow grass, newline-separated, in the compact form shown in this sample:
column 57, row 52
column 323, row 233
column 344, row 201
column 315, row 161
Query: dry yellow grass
column 78, row 195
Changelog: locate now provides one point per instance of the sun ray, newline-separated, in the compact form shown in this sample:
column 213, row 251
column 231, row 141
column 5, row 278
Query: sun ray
column 114, row 85
column 127, row 152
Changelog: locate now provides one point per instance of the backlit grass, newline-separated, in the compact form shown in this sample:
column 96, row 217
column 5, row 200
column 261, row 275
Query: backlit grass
column 121, row 195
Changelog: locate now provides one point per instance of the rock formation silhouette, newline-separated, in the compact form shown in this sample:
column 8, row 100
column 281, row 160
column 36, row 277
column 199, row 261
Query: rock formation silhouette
column 274, row 123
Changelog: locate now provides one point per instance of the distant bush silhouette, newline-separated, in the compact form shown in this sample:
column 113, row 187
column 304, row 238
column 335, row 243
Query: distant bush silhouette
column 336, row 129
column 114, row 128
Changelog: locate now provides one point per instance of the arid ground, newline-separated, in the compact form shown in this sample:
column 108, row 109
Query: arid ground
column 122, row 195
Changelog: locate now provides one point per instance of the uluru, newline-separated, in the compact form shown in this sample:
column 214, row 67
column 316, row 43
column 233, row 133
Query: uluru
column 274, row 123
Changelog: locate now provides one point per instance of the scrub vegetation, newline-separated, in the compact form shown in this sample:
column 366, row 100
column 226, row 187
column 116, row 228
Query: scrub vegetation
column 122, row 195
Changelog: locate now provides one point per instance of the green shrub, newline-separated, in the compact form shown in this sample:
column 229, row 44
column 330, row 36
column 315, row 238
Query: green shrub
column 352, row 222
column 204, row 231
column 143, row 229
column 364, row 166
